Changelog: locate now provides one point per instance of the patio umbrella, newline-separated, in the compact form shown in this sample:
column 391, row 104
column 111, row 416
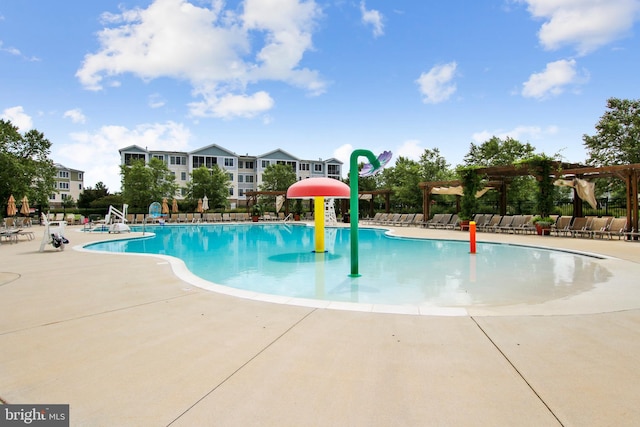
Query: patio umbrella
column 24, row 210
column 199, row 209
column 11, row 206
column 205, row 203
column 174, row 206
column 165, row 206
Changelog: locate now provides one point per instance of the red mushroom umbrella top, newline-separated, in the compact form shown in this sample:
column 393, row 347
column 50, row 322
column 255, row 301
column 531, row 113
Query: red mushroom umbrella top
column 318, row 187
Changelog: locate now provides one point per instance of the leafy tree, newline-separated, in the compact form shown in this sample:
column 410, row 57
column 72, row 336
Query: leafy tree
column 277, row 178
column 144, row 184
column 434, row 167
column 403, row 180
column 497, row 152
column 213, row 183
column 617, row 140
column 25, row 166
column 89, row 195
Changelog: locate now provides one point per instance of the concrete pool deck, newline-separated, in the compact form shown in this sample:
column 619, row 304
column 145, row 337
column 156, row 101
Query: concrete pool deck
column 125, row 342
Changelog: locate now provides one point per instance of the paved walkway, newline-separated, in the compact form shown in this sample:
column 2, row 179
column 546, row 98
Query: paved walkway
column 125, row 342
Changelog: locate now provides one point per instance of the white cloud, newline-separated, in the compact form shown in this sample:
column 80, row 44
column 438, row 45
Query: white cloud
column 436, row 85
column 218, row 51
column 97, row 153
column 229, row 106
column 553, row 80
column 18, row 118
column 156, row 101
column 585, row 24
column 75, row 115
column 520, row 133
column 374, row 18
column 409, row 149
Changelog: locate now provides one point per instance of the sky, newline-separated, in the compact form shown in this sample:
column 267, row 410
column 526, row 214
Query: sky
column 317, row 79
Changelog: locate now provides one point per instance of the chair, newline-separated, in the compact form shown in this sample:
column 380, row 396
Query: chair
column 493, row 222
column 433, row 220
column 417, row 219
column 578, row 227
column 453, row 222
column 444, row 219
column 562, row 225
column 617, row 227
column 597, row 225
column 517, row 221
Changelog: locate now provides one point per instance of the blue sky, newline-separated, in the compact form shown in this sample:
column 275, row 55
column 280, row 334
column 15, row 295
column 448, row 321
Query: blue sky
column 315, row 78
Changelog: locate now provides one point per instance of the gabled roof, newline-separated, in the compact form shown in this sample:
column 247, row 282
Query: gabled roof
column 213, row 150
column 133, row 148
column 333, row 160
column 278, row 154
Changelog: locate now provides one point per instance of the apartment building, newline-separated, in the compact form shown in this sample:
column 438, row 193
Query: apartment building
column 245, row 171
column 69, row 183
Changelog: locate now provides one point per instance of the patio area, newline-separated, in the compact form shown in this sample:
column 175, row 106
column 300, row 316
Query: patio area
column 125, row 342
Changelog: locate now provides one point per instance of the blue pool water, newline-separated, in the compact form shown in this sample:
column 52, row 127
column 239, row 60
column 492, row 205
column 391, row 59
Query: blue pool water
column 279, row 259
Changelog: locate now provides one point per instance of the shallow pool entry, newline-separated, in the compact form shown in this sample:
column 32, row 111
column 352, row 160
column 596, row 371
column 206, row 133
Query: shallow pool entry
column 280, row 260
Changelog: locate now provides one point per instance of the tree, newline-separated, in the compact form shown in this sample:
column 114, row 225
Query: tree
column 497, row 152
column 213, row 183
column 25, row 166
column 144, row 184
column 403, row 180
column 89, row 195
column 278, row 178
column 434, row 167
column 617, row 140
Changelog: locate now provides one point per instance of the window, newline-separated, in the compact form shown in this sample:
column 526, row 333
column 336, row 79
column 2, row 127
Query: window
column 63, row 174
column 265, row 163
column 178, row 160
column 248, row 178
column 317, row 167
column 197, row 161
column 63, row 185
column 228, row 161
column 79, row 176
column 183, row 176
column 240, row 192
column 133, row 157
column 292, row 164
column 230, row 176
column 240, row 178
column 158, row 156
column 249, row 165
column 240, row 164
column 231, row 191
column 304, row 166
column 333, row 169
column 52, row 196
column 65, row 196
column 210, row 161
column 79, row 186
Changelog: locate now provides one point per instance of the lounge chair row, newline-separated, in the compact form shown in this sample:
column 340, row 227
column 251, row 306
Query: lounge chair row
column 394, row 219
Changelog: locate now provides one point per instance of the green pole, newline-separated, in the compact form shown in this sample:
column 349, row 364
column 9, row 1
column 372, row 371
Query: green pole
column 353, row 184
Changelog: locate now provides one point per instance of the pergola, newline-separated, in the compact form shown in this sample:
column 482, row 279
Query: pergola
column 499, row 178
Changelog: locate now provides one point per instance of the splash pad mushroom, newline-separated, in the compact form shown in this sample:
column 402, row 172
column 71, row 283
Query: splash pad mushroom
column 318, row 188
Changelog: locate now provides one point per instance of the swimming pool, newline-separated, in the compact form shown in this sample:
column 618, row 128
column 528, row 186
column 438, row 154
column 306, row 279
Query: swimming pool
column 277, row 259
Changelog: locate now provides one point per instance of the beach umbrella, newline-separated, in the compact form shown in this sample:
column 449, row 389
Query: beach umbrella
column 11, row 206
column 174, row 206
column 199, row 209
column 24, row 210
column 165, row 206
column 205, row 203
